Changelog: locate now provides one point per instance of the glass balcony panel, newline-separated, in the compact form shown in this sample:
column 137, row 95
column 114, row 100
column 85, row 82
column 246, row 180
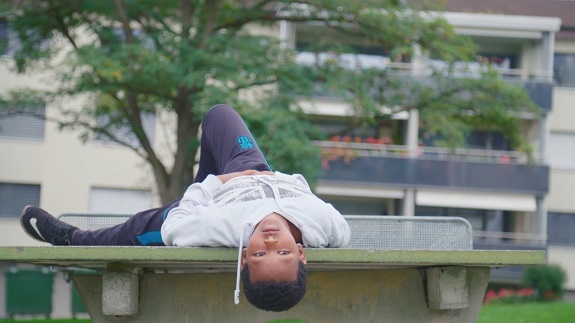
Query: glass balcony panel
column 433, row 167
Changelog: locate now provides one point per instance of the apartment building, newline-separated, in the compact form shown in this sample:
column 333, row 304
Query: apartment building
column 509, row 202
column 558, row 145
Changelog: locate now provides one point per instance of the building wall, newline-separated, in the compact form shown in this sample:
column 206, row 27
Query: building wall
column 65, row 168
column 562, row 181
column 563, row 114
column 564, row 257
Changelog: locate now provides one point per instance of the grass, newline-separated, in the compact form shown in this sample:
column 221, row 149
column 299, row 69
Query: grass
column 40, row 320
column 556, row 312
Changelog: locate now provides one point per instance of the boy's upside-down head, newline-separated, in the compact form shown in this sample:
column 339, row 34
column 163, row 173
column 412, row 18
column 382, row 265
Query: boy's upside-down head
column 273, row 265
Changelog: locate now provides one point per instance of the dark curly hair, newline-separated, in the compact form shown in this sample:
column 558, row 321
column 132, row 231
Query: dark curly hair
column 272, row 295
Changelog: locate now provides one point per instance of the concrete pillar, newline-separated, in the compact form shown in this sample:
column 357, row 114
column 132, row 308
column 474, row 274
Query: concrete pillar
column 447, row 288
column 120, row 293
column 543, row 137
column 412, row 143
column 541, row 214
column 408, row 207
column 547, row 47
column 287, row 31
column 412, row 135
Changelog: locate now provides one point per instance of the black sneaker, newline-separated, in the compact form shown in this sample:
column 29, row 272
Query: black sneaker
column 41, row 226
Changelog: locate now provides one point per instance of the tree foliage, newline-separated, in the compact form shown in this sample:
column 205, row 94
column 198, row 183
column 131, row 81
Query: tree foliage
column 126, row 58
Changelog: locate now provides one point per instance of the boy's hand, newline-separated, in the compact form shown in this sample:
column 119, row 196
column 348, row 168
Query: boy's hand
column 226, row 177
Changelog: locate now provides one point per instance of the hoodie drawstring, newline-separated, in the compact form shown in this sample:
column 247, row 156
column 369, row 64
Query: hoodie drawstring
column 276, row 194
column 237, row 290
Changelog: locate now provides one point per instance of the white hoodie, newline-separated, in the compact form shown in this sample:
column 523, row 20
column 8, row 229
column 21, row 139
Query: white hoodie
column 212, row 214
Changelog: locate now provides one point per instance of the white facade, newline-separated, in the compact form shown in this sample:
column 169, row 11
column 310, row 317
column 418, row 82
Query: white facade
column 65, row 168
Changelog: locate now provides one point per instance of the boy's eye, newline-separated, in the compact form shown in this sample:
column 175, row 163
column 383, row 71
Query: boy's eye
column 259, row 254
column 283, row 252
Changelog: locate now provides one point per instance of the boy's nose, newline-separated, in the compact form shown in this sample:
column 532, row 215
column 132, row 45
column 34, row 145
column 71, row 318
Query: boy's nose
column 270, row 239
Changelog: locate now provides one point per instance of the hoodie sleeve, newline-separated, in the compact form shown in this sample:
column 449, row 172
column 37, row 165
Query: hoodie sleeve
column 323, row 225
column 341, row 233
column 196, row 196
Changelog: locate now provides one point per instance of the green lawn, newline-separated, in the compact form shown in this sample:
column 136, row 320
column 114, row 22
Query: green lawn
column 47, row 321
column 528, row 313
column 556, row 312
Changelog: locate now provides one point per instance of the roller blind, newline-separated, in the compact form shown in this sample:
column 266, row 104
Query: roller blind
column 14, row 197
column 24, row 126
column 476, row 200
column 561, row 150
column 561, row 228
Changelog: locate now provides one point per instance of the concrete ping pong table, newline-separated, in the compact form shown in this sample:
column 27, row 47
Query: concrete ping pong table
column 176, row 284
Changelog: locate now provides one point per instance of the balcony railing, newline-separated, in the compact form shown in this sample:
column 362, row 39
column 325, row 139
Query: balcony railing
column 398, row 166
column 351, row 150
column 537, row 83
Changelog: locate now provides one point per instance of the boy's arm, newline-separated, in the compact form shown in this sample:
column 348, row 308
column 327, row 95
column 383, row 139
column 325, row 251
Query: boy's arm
column 340, row 232
column 197, row 196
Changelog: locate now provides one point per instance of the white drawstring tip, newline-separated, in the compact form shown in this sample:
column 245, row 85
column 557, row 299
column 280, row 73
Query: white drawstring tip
column 237, row 290
column 237, row 296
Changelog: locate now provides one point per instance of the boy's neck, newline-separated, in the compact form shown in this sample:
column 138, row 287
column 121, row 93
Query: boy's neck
column 295, row 232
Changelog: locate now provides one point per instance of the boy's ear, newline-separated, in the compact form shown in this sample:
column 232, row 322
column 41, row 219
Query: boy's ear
column 302, row 256
column 244, row 259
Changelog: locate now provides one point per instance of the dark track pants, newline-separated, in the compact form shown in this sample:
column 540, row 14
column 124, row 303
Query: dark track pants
column 227, row 146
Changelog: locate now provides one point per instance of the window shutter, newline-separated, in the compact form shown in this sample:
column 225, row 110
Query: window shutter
column 14, row 197
column 23, row 126
column 561, row 150
column 561, row 228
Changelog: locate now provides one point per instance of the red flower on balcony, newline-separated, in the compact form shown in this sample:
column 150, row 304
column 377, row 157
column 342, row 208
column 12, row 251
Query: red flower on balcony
column 347, row 154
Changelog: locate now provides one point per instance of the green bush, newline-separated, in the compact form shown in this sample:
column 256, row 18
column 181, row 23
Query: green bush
column 546, row 280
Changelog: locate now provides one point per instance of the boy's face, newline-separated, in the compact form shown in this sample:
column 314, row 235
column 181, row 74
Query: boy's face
column 272, row 252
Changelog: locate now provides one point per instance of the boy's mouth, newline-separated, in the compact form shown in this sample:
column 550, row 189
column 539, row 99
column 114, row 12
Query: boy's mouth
column 270, row 229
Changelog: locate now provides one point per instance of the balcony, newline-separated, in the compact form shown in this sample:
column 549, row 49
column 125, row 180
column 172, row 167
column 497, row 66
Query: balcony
column 435, row 167
column 537, row 83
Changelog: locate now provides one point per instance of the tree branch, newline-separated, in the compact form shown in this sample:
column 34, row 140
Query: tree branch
column 63, row 27
column 124, row 20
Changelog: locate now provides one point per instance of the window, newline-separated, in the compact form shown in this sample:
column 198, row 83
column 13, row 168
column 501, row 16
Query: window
column 498, row 61
column 14, row 197
column 564, row 70
column 487, row 140
column 355, row 52
column 125, row 134
column 312, row 36
column 9, row 42
column 561, row 228
column 119, row 201
column 561, row 150
column 29, row 125
column 483, row 140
